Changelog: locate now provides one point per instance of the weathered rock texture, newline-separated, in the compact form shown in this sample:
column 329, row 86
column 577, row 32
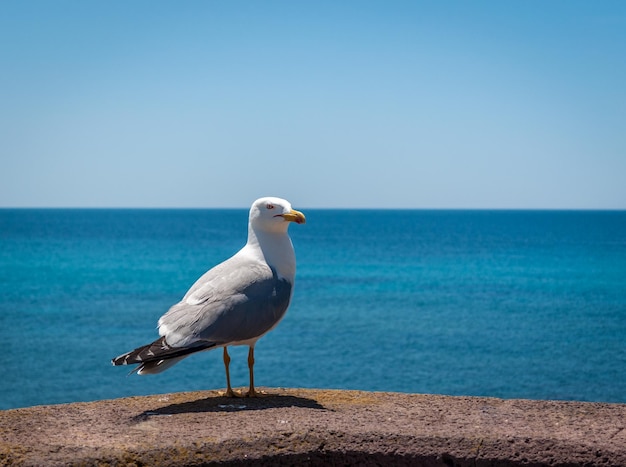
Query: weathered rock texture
column 315, row 427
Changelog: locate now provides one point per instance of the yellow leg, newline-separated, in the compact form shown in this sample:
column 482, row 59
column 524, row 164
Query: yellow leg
column 229, row 390
column 251, row 391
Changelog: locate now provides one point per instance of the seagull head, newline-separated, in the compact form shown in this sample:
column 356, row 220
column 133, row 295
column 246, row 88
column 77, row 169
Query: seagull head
column 273, row 215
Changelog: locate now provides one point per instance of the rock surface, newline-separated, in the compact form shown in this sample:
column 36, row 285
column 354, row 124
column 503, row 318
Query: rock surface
column 315, row 427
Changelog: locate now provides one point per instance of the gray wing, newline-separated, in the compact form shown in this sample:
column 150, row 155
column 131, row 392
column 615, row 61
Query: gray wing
column 235, row 301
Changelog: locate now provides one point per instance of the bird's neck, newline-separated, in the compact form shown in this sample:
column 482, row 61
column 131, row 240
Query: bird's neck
column 276, row 249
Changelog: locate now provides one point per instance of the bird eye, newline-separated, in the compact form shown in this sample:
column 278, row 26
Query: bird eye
column 269, row 206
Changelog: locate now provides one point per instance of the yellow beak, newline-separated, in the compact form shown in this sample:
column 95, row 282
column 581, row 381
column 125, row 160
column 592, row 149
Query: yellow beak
column 294, row 216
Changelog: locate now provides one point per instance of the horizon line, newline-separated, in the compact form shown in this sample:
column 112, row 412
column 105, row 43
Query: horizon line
column 338, row 208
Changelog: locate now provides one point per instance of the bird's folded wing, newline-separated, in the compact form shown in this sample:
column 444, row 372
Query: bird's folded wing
column 235, row 301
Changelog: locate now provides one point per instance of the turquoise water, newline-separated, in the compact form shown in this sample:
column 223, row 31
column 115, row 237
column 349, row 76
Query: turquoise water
column 513, row 304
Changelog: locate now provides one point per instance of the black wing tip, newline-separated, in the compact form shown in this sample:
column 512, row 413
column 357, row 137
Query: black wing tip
column 121, row 359
column 157, row 351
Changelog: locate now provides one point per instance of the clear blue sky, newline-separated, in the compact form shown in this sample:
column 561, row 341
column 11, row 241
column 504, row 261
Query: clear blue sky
column 400, row 104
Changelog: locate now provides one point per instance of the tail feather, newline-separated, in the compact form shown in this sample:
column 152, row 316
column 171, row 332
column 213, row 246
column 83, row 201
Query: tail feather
column 157, row 356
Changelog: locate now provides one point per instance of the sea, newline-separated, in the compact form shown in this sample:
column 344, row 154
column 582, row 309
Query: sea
column 507, row 304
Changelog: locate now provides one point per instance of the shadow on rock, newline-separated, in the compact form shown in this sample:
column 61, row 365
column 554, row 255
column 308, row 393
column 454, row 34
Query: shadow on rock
column 230, row 404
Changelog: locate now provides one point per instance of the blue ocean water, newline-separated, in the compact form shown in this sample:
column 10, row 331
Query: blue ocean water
column 512, row 304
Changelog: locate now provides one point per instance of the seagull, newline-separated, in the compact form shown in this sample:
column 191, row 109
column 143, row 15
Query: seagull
column 234, row 303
